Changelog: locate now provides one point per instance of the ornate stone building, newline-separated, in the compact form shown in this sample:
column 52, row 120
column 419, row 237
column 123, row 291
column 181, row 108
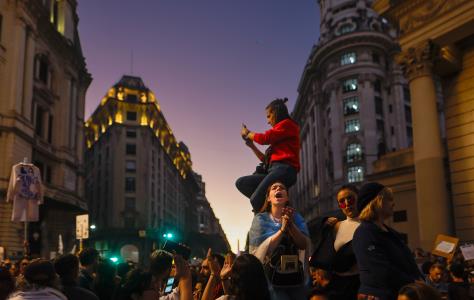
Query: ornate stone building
column 139, row 178
column 353, row 104
column 208, row 233
column 437, row 56
column 43, row 81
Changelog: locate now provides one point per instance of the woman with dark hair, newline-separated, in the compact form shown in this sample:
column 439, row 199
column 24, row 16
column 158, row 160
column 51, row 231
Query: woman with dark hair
column 245, row 279
column 39, row 282
column 7, row 283
column 280, row 161
column 418, row 291
column 279, row 239
column 334, row 253
column 385, row 262
column 105, row 284
column 137, row 286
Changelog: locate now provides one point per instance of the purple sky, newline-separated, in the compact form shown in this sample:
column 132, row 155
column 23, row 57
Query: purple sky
column 212, row 64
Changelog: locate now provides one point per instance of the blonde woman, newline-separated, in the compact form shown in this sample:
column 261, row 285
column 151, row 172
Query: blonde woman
column 385, row 262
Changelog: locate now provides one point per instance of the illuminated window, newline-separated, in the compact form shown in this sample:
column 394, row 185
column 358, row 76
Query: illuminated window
column 353, row 153
column 355, row 174
column 348, row 58
column 349, row 85
column 351, row 105
column 352, row 125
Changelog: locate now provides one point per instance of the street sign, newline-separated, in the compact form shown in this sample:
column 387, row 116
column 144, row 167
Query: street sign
column 82, row 227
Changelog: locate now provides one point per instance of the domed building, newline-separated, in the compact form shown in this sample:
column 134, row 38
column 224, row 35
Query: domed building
column 353, row 104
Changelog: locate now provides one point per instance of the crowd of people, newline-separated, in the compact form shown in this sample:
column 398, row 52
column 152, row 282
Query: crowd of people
column 357, row 257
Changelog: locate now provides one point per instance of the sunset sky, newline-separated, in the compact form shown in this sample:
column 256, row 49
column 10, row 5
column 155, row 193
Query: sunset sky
column 213, row 64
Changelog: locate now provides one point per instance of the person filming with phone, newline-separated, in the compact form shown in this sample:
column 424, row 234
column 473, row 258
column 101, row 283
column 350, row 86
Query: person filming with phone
column 281, row 159
column 279, row 238
column 166, row 269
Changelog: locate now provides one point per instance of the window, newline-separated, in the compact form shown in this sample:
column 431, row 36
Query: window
column 353, row 153
column 408, row 113
column 355, row 174
column 346, row 28
column 130, row 166
column 42, row 70
column 375, row 58
column 352, row 126
column 129, row 203
column 132, row 98
column 378, row 106
column 392, row 130
column 390, row 108
column 351, row 105
column 130, row 184
column 378, row 85
column 39, row 119
column 131, row 134
column 348, row 58
column 409, row 136
column 131, row 149
column 349, row 85
column 129, row 222
column 50, row 129
column 380, row 126
column 400, row 216
column 131, row 115
column 54, row 13
column 406, row 94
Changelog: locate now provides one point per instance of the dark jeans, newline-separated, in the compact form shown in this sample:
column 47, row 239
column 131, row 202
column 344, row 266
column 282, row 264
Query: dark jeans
column 255, row 186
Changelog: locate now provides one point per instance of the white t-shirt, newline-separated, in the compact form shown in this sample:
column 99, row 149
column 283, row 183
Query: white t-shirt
column 345, row 232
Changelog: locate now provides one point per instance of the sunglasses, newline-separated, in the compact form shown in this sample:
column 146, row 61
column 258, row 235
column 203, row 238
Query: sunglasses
column 346, row 201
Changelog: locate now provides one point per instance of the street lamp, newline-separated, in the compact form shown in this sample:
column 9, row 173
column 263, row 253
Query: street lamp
column 93, row 227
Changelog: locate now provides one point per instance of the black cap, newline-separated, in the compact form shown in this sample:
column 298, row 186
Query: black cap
column 367, row 193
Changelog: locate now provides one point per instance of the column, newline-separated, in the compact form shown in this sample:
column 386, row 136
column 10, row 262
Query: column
column 434, row 212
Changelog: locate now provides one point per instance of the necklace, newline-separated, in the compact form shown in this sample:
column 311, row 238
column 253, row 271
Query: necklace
column 275, row 220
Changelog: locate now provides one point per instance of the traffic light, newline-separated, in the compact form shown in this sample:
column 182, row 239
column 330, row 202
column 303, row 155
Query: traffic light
column 168, row 235
column 114, row 259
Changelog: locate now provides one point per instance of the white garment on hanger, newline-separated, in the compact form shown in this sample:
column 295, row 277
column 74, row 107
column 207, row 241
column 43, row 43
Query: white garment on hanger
column 25, row 190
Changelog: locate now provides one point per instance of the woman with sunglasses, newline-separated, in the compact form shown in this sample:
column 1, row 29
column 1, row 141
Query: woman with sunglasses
column 334, row 251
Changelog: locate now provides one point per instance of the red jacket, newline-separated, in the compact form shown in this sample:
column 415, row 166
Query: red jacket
column 284, row 138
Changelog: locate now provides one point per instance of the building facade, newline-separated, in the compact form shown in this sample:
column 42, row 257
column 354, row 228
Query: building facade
column 353, row 104
column 208, row 233
column 139, row 179
column 437, row 56
column 43, row 81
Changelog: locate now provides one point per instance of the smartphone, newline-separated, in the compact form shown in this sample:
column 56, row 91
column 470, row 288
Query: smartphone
column 180, row 249
column 169, row 285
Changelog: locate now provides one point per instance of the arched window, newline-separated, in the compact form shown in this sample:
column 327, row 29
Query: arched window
column 353, row 152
